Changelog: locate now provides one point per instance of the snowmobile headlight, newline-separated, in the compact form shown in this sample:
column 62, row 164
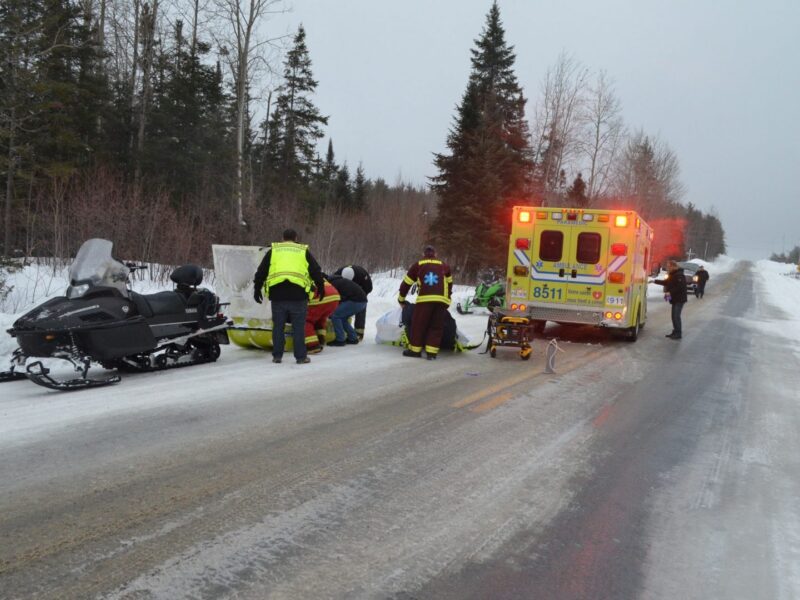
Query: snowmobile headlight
column 76, row 291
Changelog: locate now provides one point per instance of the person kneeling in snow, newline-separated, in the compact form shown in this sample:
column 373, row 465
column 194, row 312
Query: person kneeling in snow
column 317, row 317
column 360, row 276
column 434, row 284
column 353, row 300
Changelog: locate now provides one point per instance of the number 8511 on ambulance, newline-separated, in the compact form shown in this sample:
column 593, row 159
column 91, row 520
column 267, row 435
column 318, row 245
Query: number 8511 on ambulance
column 579, row 266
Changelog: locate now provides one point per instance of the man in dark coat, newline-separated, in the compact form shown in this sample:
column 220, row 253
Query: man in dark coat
column 675, row 289
column 702, row 278
column 286, row 274
column 352, row 301
column 361, row 276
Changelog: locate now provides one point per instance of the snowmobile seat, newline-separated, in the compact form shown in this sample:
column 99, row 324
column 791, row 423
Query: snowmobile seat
column 190, row 275
column 162, row 303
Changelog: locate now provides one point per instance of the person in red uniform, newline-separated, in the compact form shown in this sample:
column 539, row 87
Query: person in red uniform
column 434, row 284
column 317, row 317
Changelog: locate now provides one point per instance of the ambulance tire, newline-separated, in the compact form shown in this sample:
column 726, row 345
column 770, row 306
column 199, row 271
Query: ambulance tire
column 538, row 327
column 633, row 332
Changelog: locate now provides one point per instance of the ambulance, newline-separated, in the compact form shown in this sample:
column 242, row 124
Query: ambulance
column 579, row 266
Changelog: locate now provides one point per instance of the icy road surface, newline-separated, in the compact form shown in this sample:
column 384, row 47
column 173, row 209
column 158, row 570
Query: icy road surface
column 658, row 469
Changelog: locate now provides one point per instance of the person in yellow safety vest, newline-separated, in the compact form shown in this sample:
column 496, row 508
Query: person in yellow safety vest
column 285, row 276
column 319, row 309
column 434, row 289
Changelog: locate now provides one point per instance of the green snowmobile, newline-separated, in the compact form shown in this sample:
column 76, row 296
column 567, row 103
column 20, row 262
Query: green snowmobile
column 490, row 293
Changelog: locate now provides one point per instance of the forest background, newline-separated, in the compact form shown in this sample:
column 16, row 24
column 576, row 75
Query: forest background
column 169, row 126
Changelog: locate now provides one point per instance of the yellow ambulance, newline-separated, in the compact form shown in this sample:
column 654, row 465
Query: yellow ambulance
column 579, row 266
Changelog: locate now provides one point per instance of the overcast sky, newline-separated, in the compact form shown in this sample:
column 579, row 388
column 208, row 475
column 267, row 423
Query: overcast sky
column 719, row 81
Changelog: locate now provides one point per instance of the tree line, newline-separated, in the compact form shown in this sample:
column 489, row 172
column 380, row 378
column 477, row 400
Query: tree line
column 170, row 125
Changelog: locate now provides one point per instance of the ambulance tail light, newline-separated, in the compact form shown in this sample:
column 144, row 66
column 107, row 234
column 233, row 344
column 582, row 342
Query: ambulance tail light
column 609, row 315
column 618, row 316
column 523, row 243
column 524, row 216
column 541, row 215
column 616, row 277
column 520, row 271
column 617, row 249
column 572, row 217
column 602, row 218
column 621, row 221
column 522, row 307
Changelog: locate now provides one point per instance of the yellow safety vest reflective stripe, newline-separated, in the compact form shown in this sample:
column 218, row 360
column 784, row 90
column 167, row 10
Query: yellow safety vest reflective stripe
column 288, row 263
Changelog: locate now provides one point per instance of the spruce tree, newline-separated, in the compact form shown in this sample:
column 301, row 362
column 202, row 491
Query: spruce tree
column 294, row 128
column 487, row 168
column 576, row 193
column 360, row 190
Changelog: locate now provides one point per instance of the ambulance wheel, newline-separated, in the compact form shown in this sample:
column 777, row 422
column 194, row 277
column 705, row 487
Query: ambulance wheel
column 538, row 327
column 633, row 332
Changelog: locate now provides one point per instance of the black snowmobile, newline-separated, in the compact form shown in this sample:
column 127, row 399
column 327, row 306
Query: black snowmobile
column 101, row 320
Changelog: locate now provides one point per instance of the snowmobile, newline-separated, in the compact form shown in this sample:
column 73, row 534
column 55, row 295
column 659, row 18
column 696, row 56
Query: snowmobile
column 101, row 320
column 490, row 293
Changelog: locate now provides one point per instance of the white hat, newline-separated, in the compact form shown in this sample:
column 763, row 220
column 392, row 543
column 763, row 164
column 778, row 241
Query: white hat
column 348, row 273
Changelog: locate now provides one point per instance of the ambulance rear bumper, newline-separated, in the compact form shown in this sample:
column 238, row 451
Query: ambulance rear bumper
column 577, row 316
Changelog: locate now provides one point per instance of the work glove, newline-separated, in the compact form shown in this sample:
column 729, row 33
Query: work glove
column 258, row 295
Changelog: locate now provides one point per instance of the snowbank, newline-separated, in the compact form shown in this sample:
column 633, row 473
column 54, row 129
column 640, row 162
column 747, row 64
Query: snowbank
column 780, row 288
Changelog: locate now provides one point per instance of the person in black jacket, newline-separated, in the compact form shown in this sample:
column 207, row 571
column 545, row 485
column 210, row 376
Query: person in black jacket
column 702, row 278
column 361, row 276
column 353, row 300
column 675, row 288
column 286, row 273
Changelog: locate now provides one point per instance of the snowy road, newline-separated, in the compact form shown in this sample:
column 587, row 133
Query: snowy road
column 658, row 469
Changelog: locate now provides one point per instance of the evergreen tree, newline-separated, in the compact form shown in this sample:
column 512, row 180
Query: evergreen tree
column 488, row 165
column 294, row 128
column 343, row 191
column 576, row 193
column 360, row 190
column 188, row 138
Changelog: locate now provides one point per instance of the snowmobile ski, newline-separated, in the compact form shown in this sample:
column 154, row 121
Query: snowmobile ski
column 17, row 362
column 40, row 375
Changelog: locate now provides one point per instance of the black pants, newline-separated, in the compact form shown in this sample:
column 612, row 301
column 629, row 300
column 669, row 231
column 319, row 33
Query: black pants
column 677, row 307
column 293, row 311
column 361, row 321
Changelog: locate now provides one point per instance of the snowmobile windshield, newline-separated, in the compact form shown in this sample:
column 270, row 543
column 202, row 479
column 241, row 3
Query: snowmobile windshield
column 94, row 266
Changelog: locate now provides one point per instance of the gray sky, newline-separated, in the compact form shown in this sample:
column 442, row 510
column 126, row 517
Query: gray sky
column 719, row 81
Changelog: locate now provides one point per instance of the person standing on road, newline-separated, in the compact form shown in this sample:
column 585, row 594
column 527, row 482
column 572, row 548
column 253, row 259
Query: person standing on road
column 434, row 284
column 675, row 289
column 702, row 278
column 360, row 276
column 285, row 276
column 353, row 300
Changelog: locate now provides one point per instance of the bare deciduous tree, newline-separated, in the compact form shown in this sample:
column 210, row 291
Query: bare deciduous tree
column 603, row 130
column 556, row 129
column 243, row 46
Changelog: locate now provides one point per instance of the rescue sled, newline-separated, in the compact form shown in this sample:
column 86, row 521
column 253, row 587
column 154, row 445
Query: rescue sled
column 234, row 267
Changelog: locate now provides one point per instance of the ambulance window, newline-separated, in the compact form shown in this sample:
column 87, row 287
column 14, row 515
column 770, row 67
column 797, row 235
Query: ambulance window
column 551, row 243
column 588, row 251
